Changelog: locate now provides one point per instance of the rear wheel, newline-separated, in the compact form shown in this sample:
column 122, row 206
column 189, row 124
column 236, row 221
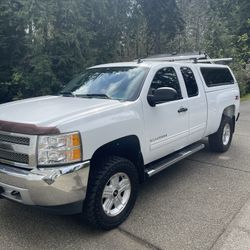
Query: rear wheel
column 112, row 193
column 221, row 140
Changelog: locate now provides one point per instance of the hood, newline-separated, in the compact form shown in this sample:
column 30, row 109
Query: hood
column 51, row 110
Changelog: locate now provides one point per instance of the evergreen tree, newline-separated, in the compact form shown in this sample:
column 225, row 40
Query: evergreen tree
column 12, row 48
column 43, row 44
column 164, row 21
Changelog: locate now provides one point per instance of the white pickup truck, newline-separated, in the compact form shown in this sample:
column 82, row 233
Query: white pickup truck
column 87, row 149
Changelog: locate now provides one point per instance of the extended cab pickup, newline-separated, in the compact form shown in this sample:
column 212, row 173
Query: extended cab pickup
column 87, row 149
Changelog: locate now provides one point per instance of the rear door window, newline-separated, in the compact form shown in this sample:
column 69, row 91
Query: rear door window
column 190, row 82
column 217, row 76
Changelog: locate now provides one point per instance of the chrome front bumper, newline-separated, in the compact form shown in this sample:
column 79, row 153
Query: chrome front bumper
column 45, row 187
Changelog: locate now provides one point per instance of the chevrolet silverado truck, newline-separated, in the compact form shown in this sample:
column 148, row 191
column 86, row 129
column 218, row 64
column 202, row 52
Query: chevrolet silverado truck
column 87, row 149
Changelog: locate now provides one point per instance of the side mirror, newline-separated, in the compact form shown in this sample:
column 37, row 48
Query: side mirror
column 162, row 95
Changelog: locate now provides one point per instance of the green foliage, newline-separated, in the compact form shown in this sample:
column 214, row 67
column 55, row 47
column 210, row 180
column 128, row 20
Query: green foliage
column 243, row 78
column 44, row 44
column 222, row 29
column 163, row 22
column 12, row 47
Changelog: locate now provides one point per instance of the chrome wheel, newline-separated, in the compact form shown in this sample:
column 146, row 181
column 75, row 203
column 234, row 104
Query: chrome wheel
column 116, row 194
column 226, row 134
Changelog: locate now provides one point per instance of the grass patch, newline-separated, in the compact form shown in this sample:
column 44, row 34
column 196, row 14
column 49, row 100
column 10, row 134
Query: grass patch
column 245, row 98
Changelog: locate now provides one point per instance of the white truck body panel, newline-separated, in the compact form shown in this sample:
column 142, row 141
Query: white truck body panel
column 219, row 98
column 49, row 145
column 161, row 130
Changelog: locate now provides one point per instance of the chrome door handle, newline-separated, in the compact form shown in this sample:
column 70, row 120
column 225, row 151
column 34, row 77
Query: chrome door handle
column 181, row 110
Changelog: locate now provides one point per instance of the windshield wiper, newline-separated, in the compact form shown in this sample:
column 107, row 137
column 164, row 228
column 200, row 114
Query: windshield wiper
column 95, row 96
column 67, row 93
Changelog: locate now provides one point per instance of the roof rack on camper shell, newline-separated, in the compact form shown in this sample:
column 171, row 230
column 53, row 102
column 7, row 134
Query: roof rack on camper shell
column 186, row 57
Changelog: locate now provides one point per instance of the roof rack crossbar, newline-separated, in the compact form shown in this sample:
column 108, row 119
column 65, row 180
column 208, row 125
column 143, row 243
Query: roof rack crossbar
column 213, row 60
column 161, row 58
column 193, row 58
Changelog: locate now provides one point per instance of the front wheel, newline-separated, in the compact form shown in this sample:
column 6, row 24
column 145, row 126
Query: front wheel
column 112, row 193
column 221, row 140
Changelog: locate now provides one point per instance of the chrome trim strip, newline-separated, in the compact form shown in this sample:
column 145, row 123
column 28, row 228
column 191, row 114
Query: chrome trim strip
column 14, row 148
column 15, row 164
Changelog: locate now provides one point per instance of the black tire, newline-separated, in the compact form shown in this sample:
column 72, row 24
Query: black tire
column 93, row 210
column 216, row 140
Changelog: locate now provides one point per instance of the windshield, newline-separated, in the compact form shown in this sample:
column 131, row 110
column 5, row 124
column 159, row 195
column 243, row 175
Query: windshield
column 118, row 83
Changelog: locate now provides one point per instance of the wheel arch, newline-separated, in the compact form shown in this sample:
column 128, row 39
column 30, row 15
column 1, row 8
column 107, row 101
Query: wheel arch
column 127, row 147
column 230, row 112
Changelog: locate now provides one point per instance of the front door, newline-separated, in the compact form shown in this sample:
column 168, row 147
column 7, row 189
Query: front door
column 167, row 123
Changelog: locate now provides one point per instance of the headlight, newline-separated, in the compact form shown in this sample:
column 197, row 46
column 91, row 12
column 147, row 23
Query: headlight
column 59, row 149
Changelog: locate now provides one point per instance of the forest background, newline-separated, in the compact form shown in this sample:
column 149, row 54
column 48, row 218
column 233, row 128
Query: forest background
column 44, row 44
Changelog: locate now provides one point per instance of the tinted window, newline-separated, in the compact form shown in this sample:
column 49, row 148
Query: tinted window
column 217, row 76
column 190, row 82
column 119, row 83
column 166, row 77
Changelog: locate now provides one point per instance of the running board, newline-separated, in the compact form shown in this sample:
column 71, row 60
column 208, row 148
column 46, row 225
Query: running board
column 158, row 166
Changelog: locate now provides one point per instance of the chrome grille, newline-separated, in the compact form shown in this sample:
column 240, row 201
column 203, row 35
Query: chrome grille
column 14, row 157
column 15, row 139
column 18, row 150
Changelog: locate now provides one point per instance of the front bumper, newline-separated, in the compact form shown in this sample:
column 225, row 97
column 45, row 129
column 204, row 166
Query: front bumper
column 45, row 187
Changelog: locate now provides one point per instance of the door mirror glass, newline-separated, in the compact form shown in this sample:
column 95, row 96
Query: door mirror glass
column 162, row 95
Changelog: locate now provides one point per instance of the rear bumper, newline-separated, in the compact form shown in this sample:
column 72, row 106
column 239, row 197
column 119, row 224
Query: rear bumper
column 47, row 188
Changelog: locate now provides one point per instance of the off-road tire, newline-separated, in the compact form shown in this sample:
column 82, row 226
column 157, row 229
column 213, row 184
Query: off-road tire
column 93, row 211
column 216, row 140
